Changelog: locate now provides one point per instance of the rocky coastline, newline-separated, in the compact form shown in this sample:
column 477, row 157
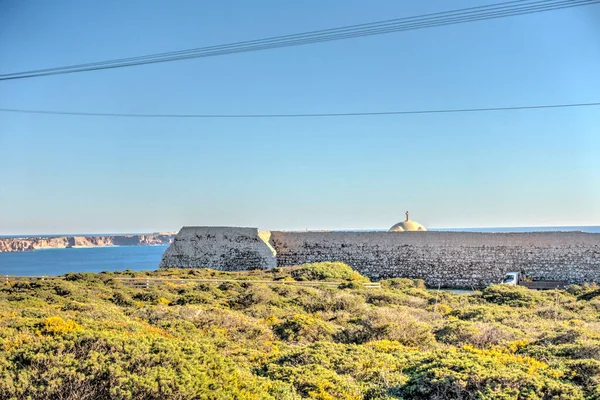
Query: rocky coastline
column 64, row 242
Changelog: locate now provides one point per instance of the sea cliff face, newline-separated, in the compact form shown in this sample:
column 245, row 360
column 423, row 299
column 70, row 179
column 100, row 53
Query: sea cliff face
column 62, row 242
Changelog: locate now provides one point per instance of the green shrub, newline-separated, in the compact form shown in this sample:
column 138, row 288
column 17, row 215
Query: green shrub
column 595, row 304
column 512, row 295
column 484, row 375
column 92, row 337
column 58, row 326
column 259, row 294
column 146, row 295
column 316, row 382
column 478, row 334
column 403, row 283
column 309, row 298
column 383, row 298
column 21, row 287
column 584, row 372
column 313, row 300
column 237, row 326
column 76, row 306
column 589, row 295
column 458, row 333
column 575, row 290
column 195, row 298
column 231, row 286
column 484, row 313
column 581, row 349
column 347, row 302
column 104, row 366
column 121, row 299
column 351, row 285
column 326, row 271
column 304, row 327
column 568, row 335
column 393, row 324
column 332, row 370
column 88, row 277
column 62, row 290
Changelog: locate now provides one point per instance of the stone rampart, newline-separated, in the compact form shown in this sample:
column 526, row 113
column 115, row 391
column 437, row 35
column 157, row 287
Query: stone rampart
column 221, row 248
column 449, row 259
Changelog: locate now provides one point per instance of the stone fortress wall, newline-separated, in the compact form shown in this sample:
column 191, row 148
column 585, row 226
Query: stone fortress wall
column 220, row 248
column 448, row 259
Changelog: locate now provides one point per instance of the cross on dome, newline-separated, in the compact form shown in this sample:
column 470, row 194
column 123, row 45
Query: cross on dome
column 407, row 226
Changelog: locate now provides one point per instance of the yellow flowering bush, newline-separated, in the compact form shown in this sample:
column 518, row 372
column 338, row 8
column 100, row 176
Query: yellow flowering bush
column 233, row 336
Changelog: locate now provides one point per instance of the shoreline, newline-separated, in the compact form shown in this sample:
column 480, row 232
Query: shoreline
column 84, row 248
column 66, row 242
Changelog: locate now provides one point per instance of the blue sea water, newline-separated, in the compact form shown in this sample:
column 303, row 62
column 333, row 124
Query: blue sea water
column 588, row 229
column 93, row 259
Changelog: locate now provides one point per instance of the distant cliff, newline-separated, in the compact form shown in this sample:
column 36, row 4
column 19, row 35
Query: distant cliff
column 63, row 242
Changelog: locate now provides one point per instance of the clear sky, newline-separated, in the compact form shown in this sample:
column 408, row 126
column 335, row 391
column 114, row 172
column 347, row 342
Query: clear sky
column 65, row 174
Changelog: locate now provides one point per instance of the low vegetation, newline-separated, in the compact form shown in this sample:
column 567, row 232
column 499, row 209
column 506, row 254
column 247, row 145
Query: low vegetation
column 89, row 336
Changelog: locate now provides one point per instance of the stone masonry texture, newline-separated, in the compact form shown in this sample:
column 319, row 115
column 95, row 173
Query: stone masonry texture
column 446, row 259
column 221, row 248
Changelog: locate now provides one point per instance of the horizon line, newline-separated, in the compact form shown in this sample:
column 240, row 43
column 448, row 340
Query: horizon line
column 15, row 235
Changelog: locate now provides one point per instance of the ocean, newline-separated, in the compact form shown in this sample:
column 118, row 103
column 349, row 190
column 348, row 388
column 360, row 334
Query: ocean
column 588, row 229
column 139, row 258
column 91, row 259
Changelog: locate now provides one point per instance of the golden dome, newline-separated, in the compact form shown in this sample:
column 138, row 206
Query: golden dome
column 407, row 226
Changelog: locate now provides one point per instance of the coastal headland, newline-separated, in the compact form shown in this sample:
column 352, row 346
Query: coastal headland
column 62, row 242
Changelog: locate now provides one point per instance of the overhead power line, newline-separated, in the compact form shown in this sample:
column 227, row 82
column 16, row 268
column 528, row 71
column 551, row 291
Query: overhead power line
column 492, row 11
column 318, row 115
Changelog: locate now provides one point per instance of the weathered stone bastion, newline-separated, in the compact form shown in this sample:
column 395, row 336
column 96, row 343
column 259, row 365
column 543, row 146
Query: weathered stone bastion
column 221, row 248
column 449, row 259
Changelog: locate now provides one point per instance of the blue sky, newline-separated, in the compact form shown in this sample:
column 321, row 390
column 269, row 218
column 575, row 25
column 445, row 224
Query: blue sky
column 65, row 174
